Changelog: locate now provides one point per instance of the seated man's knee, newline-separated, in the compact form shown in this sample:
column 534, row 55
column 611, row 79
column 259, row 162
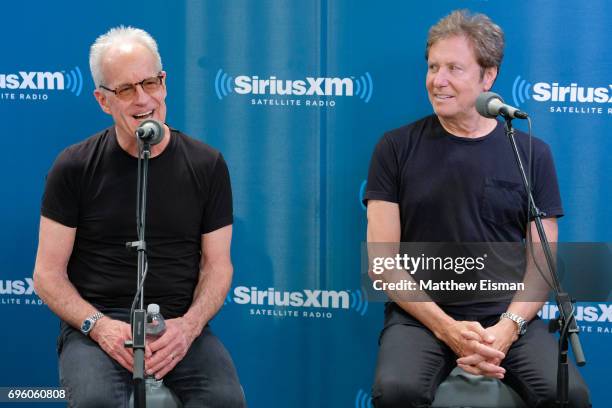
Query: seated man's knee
column 397, row 393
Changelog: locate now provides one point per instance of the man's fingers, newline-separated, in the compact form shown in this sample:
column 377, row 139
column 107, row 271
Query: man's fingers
column 472, row 359
column 469, row 369
column 166, row 369
column 484, row 368
column 163, row 365
column 490, row 369
column 482, row 332
column 471, row 335
column 488, row 352
column 160, row 343
column 126, row 361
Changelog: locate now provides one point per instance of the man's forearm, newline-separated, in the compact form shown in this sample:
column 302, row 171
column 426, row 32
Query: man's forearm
column 209, row 295
column 537, row 278
column 430, row 314
column 63, row 299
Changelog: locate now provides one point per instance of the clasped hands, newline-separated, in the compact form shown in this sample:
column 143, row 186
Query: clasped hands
column 161, row 355
column 481, row 350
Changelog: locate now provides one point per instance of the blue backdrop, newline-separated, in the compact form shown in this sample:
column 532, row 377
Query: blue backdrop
column 298, row 160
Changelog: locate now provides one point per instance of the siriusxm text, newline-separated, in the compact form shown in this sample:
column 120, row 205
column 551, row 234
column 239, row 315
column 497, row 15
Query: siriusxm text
column 544, row 92
column 306, row 298
column 17, row 287
column 584, row 313
column 32, row 80
column 308, row 86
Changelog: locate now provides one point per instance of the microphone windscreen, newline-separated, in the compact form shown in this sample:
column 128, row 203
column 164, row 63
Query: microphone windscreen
column 482, row 104
column 150, row 131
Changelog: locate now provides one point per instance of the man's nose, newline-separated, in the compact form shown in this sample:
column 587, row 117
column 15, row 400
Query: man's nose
column 141, row 95
column 441, row 78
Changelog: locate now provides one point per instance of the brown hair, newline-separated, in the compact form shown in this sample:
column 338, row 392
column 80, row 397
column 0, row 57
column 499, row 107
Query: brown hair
column 486, row 37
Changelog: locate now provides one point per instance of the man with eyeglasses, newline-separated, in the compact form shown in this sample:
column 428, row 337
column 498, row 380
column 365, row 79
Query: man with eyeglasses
column 87, row 277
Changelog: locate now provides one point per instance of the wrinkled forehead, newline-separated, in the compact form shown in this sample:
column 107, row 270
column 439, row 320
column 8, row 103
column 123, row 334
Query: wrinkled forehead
column 128, row 62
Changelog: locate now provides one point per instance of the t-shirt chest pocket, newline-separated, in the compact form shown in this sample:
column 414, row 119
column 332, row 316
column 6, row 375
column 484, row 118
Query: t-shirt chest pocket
column 503, row 202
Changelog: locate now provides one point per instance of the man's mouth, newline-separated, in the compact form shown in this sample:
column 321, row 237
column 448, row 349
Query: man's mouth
column 144, row 115
column 443, row 97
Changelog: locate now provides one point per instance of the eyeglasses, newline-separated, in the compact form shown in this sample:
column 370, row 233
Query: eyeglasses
column 128, row 91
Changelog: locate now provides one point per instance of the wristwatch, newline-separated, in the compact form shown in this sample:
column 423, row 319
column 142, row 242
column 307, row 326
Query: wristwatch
column 520, row 322
column 89, row 323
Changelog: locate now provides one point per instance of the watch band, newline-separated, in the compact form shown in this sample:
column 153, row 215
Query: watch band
column 520, row 322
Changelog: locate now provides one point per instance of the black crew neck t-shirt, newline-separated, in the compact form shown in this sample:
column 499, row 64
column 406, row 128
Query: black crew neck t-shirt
column 456, row 189
column 92, row 187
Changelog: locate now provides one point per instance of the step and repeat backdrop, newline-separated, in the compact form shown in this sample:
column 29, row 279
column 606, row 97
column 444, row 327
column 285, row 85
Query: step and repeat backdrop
column 298, row 160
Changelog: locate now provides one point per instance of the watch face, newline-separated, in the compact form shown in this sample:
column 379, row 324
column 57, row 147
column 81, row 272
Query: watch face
column 86, row 326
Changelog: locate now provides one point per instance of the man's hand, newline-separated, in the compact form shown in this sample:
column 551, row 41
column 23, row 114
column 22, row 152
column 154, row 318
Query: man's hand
column 163, row 354
column 504, row 334
column 469, row 340
column 111, row 335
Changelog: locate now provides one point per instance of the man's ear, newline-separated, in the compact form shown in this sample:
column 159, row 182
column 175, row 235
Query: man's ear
column 102, row 100
column 489, row 78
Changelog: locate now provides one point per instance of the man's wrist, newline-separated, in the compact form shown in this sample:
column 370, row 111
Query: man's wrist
column 95, row 331
column 441, row 327
column 193, row 328
column 509, row 327
column 519, row 323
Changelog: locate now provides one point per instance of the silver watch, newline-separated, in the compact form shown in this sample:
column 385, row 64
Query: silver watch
column 520, row 322
column 89, row 323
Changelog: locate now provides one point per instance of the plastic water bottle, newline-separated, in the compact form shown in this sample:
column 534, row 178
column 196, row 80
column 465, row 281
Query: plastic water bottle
column 156, row 326
column 158, row 396
column 154, row 329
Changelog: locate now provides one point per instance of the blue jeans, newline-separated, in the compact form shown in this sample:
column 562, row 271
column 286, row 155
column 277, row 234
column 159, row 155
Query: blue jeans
column 206, row 377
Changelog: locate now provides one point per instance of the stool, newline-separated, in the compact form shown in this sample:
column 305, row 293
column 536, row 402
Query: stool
column 159, row 396
column 462, row 389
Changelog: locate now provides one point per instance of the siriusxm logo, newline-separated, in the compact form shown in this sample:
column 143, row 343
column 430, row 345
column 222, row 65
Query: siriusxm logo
column 600, row 313
column 17, row 287
column 306, row 298
column 362, row 190
column 362, row 87
column 363, row 399
column 556, row 92
column 43, row 81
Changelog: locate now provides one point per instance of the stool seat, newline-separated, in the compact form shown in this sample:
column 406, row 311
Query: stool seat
column 462, row 389
column 158, row 396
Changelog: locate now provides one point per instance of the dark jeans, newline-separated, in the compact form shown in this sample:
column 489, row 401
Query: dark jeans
column 412, row 363
column 206, row 377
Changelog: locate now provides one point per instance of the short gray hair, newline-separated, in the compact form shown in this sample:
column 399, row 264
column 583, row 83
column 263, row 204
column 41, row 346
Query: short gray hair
column 486, row 37
column 113, row 36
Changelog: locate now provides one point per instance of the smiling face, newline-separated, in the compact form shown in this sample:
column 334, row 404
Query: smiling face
column 129, row 63
column 454, row 79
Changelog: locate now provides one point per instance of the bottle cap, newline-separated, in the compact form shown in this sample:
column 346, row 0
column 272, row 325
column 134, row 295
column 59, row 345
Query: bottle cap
column 153, row 308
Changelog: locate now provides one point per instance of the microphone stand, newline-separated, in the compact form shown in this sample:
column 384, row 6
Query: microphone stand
column 566, row 323
column 138, row 317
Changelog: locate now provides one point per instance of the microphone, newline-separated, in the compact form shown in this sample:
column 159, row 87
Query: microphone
column 150, row 131
column 490, row 105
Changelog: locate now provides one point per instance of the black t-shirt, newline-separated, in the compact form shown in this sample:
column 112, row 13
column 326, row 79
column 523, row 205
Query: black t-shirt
column 92, row 187
column 454, row 189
